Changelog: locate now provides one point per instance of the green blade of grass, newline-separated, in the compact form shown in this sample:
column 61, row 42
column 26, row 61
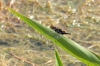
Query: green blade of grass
column 68, row 45
column 58, row 60
column 98, row 56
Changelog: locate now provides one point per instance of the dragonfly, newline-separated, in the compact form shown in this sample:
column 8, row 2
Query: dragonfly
column 58, row 30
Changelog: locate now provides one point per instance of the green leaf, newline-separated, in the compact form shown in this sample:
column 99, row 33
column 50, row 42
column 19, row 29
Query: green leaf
column 68, row 45
column 98, row 56
column 58, row 60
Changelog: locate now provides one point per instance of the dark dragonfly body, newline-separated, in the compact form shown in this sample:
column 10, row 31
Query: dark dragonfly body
column 60, row 31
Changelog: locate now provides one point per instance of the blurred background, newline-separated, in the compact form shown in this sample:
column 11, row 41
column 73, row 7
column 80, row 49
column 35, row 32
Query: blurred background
column 20, row 45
